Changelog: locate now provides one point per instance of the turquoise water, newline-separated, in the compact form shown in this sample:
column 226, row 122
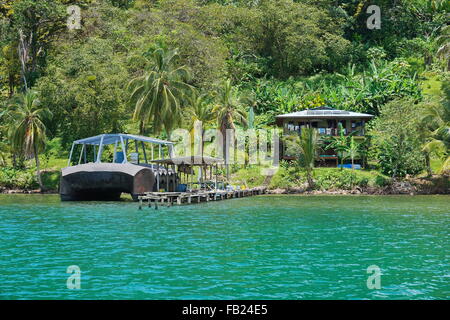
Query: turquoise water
column 267, row 247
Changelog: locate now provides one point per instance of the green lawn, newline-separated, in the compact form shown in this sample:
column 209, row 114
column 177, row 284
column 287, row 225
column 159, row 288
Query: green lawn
column 53, row 163
column 431, row 86
column 436, row 165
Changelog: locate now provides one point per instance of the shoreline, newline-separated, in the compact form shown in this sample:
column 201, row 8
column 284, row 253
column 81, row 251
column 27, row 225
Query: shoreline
column 279, row 191
column 438, row 185
column 351, row 193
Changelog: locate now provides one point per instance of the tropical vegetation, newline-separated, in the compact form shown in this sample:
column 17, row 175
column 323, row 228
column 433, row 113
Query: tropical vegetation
column 151, row 66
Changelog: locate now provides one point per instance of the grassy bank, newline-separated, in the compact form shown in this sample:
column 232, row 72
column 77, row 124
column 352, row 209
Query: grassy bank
column 324, row 178
column 25, row 178
column 291, row 179
column 286, row 177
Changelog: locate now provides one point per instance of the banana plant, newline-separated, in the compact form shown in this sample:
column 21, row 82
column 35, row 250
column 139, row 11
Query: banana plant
column 341, row 144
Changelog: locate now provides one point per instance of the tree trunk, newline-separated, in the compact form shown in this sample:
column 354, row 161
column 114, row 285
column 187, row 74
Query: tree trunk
column 23, row 57
column 428, row 59
column 428, row 164
column 225, row 153
column 203, row 142
column 38, row 171
column 310, row 179
column 11, row 85
column 14, row 160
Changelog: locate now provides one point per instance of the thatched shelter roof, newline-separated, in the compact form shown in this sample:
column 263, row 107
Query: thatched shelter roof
column 192, row 160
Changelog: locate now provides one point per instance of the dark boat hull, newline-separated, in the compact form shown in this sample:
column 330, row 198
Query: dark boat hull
column 105, row 181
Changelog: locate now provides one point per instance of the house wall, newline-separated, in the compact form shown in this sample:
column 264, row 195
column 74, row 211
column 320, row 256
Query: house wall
column 295, row 125
column 291, row 126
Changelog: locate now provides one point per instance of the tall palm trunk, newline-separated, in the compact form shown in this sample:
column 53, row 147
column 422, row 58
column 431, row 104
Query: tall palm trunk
column 203, row 142
column 38, row 170
column 14, row 159
column 309, row 178
column 141, row 128
column 227, row 124
column 225, row 153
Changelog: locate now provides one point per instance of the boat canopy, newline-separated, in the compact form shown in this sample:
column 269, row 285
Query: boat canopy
column 119, row 139
column 116, row 138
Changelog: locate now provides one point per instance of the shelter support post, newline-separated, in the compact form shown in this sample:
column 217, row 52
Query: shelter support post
column 124, row 151
column 145, row 153
column 81, row 153
column 100, row 149
column 167, row 178
column 115, row 151
column 70, row 155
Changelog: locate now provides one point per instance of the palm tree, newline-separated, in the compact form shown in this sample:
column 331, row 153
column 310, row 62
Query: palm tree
column 443, row 41
column 201, row 110
column 249, row 98
column 436, row 124
column 4, row 147
column 158, row 94
column 340, row 144
column 306, row 146
column 27, row 130
column 229, row 111
column 353, row 151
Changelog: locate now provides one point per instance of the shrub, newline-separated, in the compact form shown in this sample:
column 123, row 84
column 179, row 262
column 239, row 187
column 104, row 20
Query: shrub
column 335, row 179
column 287, row 177
column 18, row 179
column 251, row 176
column 397, row 138
column 381, row 181
column 362, row 181
column 50, row 179
column 398, row 158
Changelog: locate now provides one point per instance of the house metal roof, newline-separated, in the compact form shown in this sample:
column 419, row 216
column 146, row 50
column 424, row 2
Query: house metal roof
column 113, row 138
column 325, row 113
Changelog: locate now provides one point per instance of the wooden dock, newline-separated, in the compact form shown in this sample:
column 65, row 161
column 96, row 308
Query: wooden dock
column 168, row 199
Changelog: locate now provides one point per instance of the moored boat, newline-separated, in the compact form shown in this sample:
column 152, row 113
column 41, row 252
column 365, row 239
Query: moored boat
column 90, row 178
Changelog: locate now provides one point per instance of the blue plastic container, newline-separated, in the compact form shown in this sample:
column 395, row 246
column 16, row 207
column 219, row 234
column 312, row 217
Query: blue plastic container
column 119, row 157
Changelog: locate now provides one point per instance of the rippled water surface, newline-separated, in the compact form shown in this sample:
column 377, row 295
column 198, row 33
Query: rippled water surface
column 267, row 247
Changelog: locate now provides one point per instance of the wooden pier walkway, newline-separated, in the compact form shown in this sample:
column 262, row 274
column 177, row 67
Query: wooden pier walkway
column 168, row 199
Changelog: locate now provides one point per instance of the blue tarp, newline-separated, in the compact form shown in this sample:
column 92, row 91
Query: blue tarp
column 349, row 166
